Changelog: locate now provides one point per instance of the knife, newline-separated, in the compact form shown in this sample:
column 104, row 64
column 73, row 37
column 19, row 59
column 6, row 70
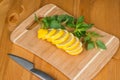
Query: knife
column 30, row 67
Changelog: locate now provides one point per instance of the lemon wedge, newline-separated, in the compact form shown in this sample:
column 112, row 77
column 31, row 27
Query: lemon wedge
column 67, row 42
column 62, row 38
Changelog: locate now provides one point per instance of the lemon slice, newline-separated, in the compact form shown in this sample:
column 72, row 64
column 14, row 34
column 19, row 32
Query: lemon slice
column 68, row 42
column 50, row 34
column 57, row 35
column 62, row 38
column 76, row 51
column 74, row 45
column 42, row 33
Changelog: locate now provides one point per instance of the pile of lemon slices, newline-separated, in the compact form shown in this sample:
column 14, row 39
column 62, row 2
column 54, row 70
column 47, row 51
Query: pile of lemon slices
column 62, row 39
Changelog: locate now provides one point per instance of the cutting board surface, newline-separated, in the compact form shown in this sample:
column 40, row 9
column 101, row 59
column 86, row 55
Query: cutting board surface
column 81, row 67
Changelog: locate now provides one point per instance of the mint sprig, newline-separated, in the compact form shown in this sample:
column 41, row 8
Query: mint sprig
column 80, row 28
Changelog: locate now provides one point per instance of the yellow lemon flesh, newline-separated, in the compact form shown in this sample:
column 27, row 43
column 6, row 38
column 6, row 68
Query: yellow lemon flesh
column 50, row 34
column 74, row 45
column 62, row 39
column 76, row 52
column 42, row 33
column 67, row 43
column 57, row 35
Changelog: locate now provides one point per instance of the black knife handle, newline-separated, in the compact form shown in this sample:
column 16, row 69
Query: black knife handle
column 41, row 74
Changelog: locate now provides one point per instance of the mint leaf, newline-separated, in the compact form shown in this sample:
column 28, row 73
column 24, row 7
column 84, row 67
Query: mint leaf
column 69, row 24
column 90, row 25
column 79, row 25
column 77, row 34
column 80, row 19
column 55, row 24
column 83, row 26
column 38, row 21
column 61, row 18
column 36, row 18
column 70, row 21
column 87, row 39
column 46, row 21
column 54, row 17
column 100, row 44
column 93, row 34
column 90, row 45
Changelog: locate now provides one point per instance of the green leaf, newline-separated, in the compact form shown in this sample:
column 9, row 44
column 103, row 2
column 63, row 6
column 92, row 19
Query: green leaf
column 46, row 22
column 61, row 18
column 100, row 44
column 70, row 21
column 77, row 34
column 85, row 25
column 90, row 45
column 80, row 19
column 79, row 25
column 35, row 18
column 54, row 17
column 87, row 39
column 69, row 24
column 62, row 27
column 90, row 25
column 94, row 34
column 55, row 24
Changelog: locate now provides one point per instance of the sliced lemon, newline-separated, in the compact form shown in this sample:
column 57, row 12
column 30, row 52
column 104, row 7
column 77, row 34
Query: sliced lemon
column 68, row 42
column 57, row 35
column 75, row 51
column 50, row 34
column 62, row 38
column 42, row 33
column 74, row 45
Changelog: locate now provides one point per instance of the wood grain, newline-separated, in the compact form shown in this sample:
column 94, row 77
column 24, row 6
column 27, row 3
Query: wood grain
column 100, row 12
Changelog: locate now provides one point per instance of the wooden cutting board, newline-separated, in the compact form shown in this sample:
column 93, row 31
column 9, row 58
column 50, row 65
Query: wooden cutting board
column 81, row 67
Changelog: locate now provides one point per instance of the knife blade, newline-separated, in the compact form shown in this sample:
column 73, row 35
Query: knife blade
column 30, row 67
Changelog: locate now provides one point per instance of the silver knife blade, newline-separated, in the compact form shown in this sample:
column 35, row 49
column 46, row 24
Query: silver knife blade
column 30, row 67
column 25, row 63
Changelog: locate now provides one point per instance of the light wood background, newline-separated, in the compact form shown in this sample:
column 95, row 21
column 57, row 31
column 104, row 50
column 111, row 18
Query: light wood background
column 105, row 14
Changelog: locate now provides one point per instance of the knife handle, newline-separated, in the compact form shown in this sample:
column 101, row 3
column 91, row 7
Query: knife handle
column 41, row 74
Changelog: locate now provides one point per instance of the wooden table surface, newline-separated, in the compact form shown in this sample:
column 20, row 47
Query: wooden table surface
column 105, row 14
